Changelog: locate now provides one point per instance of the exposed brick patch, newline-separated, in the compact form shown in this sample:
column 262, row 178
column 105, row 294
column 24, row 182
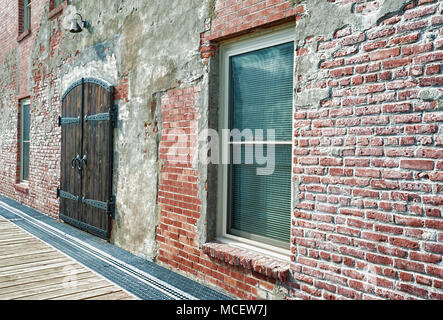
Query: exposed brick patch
column 379, row 211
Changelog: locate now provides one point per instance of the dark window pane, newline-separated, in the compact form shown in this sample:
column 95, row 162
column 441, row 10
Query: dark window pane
column 25, row 161
column 27, row 10
column 261, row 90
column 26, row 122
column 25, row 137
column 261, row 204
column 261, row 97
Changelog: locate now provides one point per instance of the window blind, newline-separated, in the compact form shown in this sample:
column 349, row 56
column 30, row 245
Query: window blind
column 260, row 204
column 26, row 124
column 261, row 97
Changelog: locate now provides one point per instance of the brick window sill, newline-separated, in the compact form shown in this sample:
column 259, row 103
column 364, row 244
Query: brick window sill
column 54, row 12
column 267, row 266
column 22, row 187
column 23, row 35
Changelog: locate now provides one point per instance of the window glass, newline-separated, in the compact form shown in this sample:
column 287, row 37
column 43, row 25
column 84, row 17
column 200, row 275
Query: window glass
column 27, row 15
column 261, row 97
column 261, row 90
column 261, row 204
column 25, row 140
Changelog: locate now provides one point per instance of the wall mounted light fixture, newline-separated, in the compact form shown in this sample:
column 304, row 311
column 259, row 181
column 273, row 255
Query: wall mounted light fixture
column 75, row 26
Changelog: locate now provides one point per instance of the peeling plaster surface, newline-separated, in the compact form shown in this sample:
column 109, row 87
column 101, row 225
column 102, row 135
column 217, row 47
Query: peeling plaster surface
column 155, row 47
column 102, row 69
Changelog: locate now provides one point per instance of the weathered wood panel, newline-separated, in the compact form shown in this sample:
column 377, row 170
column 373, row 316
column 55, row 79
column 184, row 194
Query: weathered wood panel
column 91, row 139
column 32, row 270
column 71, row 147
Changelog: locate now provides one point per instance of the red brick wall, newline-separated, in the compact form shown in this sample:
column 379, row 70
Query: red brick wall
column 369, row 221
column 178, row 187
column 368, row 157
column 15, row 54
column 236, row 271
column 181, row 207
column 234, row 17
column 8, row 26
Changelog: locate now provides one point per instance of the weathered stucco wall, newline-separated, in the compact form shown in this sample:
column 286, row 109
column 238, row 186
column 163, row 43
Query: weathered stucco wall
column 141, row 44
column 143, row 50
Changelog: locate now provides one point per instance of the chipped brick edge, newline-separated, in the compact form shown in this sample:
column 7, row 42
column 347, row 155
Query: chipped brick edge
column 267, row 266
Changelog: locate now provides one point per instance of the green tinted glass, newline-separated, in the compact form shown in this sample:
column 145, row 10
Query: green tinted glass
column 260, row 204
column 261, row 90
column 261, row 97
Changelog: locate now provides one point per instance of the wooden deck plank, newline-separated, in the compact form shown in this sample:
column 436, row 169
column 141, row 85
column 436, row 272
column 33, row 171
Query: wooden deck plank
column 31, row 266
column 7, row 233
column 31, row 269
column 69, row 271
column 59, row 290
column 46, row 284
column 20, row 239
column 29, row 252
column 50, row 272
column 119, row 295
column 89, row 293
column 41, row 265
column 15, row 247
column 54, row 290
column 7, row 262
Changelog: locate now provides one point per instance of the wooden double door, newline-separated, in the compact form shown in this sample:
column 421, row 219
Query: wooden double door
column 87, row 123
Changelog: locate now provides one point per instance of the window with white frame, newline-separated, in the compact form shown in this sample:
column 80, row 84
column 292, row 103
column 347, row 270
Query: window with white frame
column 24, row 141
column 24, row 15
column 257, row 88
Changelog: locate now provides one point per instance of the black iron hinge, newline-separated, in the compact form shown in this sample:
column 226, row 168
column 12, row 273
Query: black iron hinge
column 67, row 120
column 111, row 115
column 66, row 195
column 112, row 207
column 108, row 206
column 114, row 115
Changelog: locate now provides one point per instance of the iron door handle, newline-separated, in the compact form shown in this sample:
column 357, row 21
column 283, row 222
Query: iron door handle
column 74, row 161
column 78, row 162
column 82, row 161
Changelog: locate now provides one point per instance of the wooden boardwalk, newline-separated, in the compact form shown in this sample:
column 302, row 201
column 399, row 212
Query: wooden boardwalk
column 32, row 270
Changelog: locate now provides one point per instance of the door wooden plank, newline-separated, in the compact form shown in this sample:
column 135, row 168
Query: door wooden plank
column 71, row 146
